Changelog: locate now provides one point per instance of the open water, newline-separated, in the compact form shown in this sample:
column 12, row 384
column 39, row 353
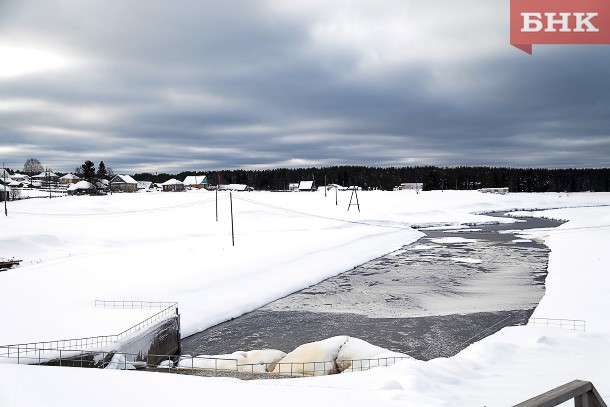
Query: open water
column 430, row 299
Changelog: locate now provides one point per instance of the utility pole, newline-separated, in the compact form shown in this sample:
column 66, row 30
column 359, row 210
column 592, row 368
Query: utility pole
column 49, row 182
column 232, row 230
column 217, row 186
column 325, row 186
column 354, row 193
column 336, row 202
column 4, row 190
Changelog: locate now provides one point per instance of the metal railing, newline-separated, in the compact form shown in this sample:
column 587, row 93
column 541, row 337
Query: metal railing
column 583, row 393
column 133, row 304
column 34, row 349
column 573, row 324
column 200, row 365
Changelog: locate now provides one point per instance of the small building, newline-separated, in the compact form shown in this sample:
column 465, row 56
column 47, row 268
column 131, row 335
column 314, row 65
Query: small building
column 306, row 186
column 46, row 177
column 123, row 183
column 81, row 188
column 410, row 186
column 293, row 186
column 235, row 187
column 147, row 186
column 501, row 191
column 69, row 179
column 173, row 185
column 23, row 178
column 196, row 181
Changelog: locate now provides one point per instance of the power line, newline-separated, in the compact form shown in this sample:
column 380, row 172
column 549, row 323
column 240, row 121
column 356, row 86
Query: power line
column 320, row 216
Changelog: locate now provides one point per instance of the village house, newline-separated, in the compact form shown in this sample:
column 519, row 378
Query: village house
column 46, row 178
column 196, row 181
column 306, row 186
column 173, row 185
column 69, row 179
column 22, row 178
column 123, row 183
column 81, row 188
column 235, row 187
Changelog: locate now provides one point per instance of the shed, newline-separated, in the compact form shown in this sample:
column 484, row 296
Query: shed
column 123, row 183
column 173, row 185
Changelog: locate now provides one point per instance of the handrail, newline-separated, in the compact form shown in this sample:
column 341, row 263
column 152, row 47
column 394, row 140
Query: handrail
column 215, row 366
column 583, row 393
column 87, row 342
column 573, row 324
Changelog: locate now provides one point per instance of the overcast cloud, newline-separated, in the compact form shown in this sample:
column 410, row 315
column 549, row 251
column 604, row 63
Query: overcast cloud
column 159, row 85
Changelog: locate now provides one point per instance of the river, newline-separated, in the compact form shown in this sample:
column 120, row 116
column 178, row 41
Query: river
column 430, row 299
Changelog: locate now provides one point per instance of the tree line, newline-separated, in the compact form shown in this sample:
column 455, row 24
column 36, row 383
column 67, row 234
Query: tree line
column 432, row 178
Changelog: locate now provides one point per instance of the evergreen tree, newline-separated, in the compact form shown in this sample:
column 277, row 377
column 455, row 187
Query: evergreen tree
column 102, row 173
column 88, row 171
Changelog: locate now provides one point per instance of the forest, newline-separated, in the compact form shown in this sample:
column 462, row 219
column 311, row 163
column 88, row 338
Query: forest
column 433, row 178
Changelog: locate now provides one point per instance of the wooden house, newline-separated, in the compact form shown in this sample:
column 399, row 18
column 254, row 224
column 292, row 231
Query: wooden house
column 123, row 183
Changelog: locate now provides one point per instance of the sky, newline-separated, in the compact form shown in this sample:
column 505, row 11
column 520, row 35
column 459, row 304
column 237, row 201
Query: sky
column 167, row 86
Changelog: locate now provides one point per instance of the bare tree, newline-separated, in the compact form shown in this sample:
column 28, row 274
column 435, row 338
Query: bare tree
column 15, row 194
column 32, row 167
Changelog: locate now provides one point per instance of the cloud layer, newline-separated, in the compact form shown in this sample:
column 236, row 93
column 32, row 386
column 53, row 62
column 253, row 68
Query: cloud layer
column 171, row 86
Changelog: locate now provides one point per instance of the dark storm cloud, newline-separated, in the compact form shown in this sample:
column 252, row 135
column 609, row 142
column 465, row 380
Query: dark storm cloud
column 160, row 86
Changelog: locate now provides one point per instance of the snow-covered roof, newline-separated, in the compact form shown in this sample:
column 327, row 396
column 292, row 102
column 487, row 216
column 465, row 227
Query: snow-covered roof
column 306, row 185
column 81, row 185
column 46, row 174
column 196, row 180
column 70, row 176
column 172, row 181
column 236, row 187
column 144, row 184
column 19, row 177
column 123, row 178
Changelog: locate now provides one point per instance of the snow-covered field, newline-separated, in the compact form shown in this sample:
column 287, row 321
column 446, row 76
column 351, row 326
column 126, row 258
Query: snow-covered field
column 169, row 247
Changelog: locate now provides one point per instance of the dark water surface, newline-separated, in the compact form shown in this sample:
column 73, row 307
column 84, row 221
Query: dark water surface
column 430, row 299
